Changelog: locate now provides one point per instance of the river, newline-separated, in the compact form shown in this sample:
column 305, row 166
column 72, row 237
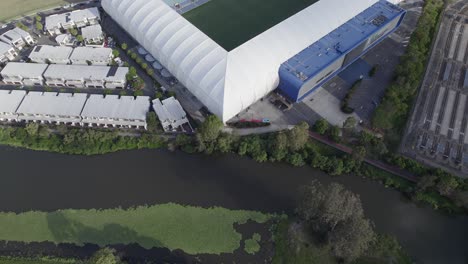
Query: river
column 46, row 181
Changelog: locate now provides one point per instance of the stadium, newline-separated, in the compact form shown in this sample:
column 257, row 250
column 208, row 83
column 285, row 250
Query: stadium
column 230, row 54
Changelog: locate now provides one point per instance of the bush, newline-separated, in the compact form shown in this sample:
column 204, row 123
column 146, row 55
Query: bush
column 392, row 113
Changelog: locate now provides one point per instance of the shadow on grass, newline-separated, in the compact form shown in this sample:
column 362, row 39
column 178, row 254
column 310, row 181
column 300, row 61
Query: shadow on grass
column 65, row 230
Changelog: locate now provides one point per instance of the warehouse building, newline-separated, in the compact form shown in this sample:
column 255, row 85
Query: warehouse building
column 228, row 82
column 23, row 73
column 54, row 24
column 318, row 63
column 86, row 76
column 51, row 54
column 91, row 56
column 116, row 111
column 171, row 114
column 51, row 108
column 7, row 52
column 9, row 103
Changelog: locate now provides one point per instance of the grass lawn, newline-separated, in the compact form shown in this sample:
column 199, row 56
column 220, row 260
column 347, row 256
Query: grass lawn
column 12, row 8
column 231, row 23
column 194, row 230
column 5, row 260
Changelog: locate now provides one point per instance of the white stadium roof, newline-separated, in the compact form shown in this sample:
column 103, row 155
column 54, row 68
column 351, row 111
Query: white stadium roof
column 227, row 82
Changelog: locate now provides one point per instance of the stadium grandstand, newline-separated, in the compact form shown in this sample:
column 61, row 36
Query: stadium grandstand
column 295, row 50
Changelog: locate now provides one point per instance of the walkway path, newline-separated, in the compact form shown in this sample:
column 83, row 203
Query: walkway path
column 379, row 164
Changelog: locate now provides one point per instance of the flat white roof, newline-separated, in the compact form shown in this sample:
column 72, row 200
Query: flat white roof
column 26, row 70
column 77, row 15
column 115, row 107
column 50, row 103
column 4, row 48
column 91, row 32
column 10, row 100
column 90, row 53
column 61, row 38
column 15, row 34
column 79, row 72
column 169, row 110
column 44, row 52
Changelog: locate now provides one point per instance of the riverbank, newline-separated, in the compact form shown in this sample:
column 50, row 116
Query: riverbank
column 293, row 147
column 76, row 141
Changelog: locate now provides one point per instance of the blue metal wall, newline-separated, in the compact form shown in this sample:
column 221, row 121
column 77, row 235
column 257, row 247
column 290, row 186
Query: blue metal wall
column 300, row 71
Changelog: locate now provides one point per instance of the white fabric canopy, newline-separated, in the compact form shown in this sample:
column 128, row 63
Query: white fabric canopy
column 227, row 82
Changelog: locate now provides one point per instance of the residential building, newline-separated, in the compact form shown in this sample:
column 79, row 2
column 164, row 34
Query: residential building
column 65, row 40
column 9, row 103
column 51, row 54
column 7, row 52
column 54, row 24
column 115, row 111
column 86, row 76
column 91, row 56
column 17, row 37
column 51, row 108
column 23, row 73
column 171, row 114
column 93, row 35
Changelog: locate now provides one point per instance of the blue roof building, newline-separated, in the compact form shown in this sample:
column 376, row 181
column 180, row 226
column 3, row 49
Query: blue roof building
column 318, row 63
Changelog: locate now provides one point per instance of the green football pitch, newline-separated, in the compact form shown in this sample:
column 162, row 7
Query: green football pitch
column 233, row 22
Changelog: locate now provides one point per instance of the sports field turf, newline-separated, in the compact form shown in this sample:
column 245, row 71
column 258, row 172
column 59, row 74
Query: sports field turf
column 13, row 8
column 233, row 22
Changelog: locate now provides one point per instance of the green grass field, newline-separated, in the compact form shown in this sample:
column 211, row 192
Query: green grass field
column 5, row 260
column 13, row 8
column 231, row 23
column 194, row 230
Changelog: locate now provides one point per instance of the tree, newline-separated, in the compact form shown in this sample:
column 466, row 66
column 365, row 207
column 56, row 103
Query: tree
column 115, row 53
column 336, row 214
column 132, row 73
column 74, row 31
column 298, row 136
column 279, row 146
column 325, row 207
column 210, row 130
column 79, row 38
column 152, row 121
column 296, row 160
column 39, row 26
column 32, row 129
column 124, row 46
column 224, row 143
column 359, row 154
column 426, row 182
column 334, row 133
column 447, row 185
column 321, row 126
column 105, row 256
column 350, row 123
column 352, row 238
